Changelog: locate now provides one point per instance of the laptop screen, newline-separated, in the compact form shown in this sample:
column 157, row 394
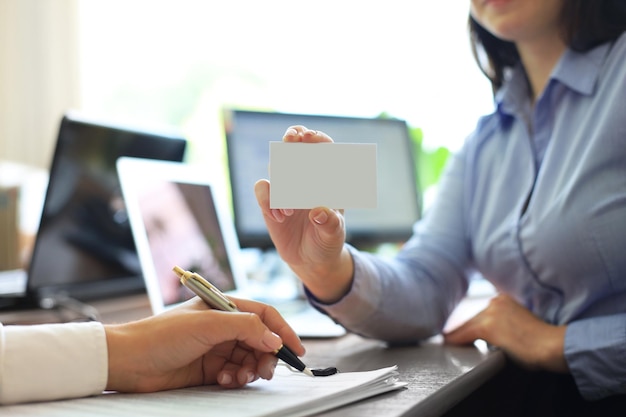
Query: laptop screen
column 176, row 219
column 248, row 134
column 84, row 246
column 182, row 229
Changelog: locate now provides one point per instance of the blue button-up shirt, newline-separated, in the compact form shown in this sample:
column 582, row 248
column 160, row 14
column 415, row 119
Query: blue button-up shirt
column 536, row 202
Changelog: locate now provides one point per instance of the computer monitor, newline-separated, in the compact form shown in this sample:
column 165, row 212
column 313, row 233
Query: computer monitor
column 248, row 134
column 84, row 247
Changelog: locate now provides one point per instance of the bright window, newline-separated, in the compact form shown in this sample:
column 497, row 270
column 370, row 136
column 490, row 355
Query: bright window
column 179, row 62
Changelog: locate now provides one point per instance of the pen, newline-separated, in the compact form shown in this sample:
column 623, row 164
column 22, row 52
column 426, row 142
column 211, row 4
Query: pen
column 215, row 299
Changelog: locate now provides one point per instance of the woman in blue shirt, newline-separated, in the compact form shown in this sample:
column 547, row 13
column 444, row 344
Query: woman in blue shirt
column 535, row 201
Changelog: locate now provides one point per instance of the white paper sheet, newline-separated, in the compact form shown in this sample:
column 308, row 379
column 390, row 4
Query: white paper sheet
column 287, row 394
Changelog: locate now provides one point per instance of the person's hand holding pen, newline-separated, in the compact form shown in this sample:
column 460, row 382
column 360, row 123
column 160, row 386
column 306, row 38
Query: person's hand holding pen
column 310, row 241
column 193, row 345
column 214, row 298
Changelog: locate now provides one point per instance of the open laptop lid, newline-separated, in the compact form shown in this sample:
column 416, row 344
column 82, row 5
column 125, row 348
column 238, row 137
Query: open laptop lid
column 178, row 217
column 84, row 247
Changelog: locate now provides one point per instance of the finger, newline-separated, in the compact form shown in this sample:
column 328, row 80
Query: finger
column 294, row 133
column 262, row 193
column 274, row 321
column 246, row 375
column 465, row 334
column 329, row 223
column 247, row 368
column 239, row 376
column 247, row 372
column 299, row 133
column 251, row 325
column 267, row 366
column 315, row 136
column 233, row 374
column 215, row 327
column 227, row 378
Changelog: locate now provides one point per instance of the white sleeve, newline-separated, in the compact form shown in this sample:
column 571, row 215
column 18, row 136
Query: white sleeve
column 52, row 361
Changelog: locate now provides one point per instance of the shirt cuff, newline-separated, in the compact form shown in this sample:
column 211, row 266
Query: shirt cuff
column 52, row 361
column 595, row 350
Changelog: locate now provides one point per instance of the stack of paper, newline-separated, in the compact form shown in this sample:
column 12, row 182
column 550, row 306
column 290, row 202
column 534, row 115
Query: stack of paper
column 287, row 394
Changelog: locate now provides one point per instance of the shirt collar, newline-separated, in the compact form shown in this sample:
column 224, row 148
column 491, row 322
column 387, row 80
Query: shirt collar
column 513, row 95
column 579, row 71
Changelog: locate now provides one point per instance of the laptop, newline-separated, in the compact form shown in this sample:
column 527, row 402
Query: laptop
column 178, row 217
column 84, row 249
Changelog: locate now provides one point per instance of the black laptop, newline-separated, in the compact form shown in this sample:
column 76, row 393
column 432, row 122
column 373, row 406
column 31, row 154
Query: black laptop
column 84, row 249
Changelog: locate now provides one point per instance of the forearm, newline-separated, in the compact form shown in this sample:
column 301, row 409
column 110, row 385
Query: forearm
column 378, row 304
column 52, row 361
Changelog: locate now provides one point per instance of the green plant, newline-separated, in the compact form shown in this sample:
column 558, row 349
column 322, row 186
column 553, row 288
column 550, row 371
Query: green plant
column 429, row 162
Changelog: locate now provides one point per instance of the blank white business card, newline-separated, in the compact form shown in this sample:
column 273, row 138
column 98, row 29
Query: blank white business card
column 334, row 175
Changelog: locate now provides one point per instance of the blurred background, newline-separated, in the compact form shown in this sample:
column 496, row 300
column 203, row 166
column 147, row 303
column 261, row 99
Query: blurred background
column 178, row 62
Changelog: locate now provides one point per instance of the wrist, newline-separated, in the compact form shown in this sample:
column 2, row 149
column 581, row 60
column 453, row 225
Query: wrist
column 331, row 281
column 552, row 356
column 119, row 375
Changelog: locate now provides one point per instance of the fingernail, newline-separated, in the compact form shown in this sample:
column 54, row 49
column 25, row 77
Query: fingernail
column 290, row 133
column 321, row 217
column 225, row 379
column 268, row 372
column 278, row 215
column 271, row 340
column 273, row 367
column 287, row 212
column 250, row 377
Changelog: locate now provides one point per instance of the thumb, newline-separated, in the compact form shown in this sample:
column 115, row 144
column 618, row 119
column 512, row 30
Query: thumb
column 262, row 194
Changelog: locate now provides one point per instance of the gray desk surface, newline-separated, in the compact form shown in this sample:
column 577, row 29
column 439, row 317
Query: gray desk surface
column 438, row 375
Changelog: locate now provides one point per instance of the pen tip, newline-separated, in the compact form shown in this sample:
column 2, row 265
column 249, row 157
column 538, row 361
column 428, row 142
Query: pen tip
column 307, row 371
column 178, row 270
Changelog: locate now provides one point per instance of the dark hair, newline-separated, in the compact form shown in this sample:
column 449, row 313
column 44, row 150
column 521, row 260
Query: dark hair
column 586, row 23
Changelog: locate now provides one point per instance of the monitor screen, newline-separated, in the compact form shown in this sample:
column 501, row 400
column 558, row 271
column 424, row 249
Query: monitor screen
column 248, row 134
column 84, row 246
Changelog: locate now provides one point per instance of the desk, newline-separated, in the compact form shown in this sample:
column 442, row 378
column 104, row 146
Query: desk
column 438, row 376
column 119, row 310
